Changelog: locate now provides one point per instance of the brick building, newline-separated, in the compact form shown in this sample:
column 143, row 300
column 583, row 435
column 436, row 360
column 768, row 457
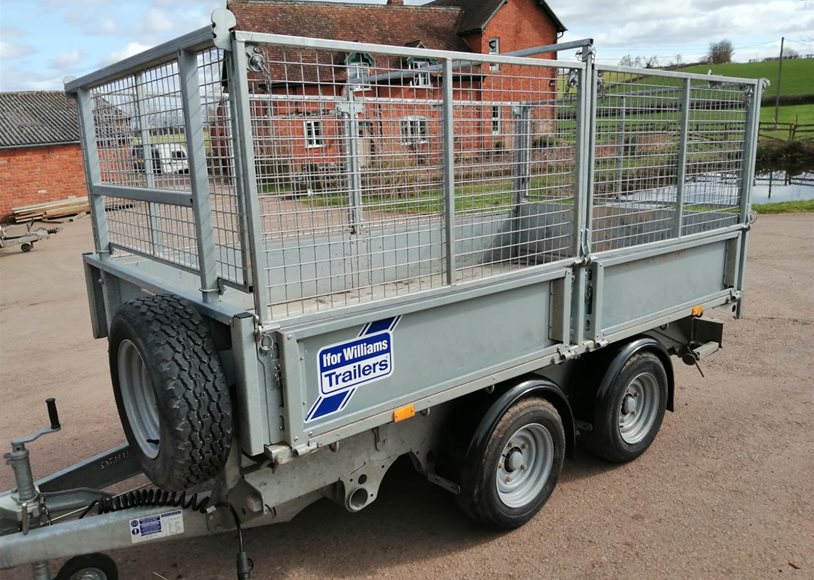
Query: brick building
column 300, row 133
column 40, row 157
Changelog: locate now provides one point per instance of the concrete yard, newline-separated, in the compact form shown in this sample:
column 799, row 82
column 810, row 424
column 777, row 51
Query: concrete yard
column 726, row 490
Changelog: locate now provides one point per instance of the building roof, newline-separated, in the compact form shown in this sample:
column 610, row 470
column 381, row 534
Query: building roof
column 436, row 27
column 478, row 13
column 34, row 118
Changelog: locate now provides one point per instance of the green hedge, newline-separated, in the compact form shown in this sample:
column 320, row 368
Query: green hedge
column 793, row 157
column 786, row 100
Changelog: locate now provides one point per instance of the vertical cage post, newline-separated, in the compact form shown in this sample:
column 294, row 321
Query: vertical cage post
column 582, row 162
column 352, row 164
column 620, row 146
column 753, row 94
column 149, row 167
column 521, row 169
column 582, row 205
column 748, row 170
column 246, row 175
column 199, row 179
column 93, row 172
column 521, row 164
column 681, row 175
column 449, row 169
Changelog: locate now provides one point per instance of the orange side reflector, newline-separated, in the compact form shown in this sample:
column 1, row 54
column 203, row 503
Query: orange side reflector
column 404, row 413
column 697, row 311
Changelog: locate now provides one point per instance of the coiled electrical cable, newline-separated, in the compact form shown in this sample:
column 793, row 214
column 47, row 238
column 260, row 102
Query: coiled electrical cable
column 149, row 497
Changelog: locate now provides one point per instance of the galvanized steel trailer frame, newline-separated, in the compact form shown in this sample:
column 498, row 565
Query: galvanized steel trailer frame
column 646, row 218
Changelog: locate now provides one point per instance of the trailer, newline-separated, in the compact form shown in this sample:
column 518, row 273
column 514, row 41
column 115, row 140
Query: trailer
column 26, row 239
column 470, row 260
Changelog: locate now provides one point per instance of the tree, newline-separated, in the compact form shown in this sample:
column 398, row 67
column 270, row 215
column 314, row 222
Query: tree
column 790, row 53
column 651, row 61
column 626, row 60
column 720, row 52
column 678, row 60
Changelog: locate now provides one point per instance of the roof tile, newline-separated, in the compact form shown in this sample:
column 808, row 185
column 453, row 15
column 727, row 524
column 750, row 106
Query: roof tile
column 37, row 118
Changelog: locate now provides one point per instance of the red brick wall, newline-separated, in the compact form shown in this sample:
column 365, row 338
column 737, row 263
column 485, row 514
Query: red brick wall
column 39, row 174
column 519, row 24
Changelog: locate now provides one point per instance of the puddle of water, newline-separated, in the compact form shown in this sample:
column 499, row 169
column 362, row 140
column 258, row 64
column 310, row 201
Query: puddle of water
column 802, row 187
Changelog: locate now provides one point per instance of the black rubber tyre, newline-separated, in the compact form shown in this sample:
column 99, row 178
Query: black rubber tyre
column 482, row 499
column 620, row 436
column 27, row 246
column 171, row 391
column 89, row 567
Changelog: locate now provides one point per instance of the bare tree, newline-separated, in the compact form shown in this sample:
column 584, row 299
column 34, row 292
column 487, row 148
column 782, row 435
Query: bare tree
column 677, row 60
column 651, row 61
column 790, row 53
column 626, row 60
column 720, row 52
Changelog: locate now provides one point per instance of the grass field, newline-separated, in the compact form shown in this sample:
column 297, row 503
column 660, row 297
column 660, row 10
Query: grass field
column 799, row 114
column 798, row 74
column 785, row 207
column 798, row 79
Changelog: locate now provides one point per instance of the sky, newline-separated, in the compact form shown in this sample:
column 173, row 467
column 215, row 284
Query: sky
column 43, row 41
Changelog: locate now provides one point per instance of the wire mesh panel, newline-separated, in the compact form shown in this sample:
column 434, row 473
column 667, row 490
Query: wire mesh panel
column 515, row 152
column 716, row 143
column 667, row 153
column 142, row 144
column 352, row 148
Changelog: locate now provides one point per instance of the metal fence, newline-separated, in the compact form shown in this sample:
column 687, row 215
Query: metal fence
column 669, row 155
column 141, row 136
column 381, row 174
column 320, row 174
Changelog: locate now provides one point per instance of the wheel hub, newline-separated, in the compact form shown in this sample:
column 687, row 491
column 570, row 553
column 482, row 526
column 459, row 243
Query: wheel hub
column 525, row 465
column 639, row 408
column 514, row 461
column 630, row 404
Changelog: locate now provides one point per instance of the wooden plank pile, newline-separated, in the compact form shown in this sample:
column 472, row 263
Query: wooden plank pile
column 68, row 209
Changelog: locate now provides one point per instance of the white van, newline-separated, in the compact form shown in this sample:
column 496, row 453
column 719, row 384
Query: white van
column 167, row 158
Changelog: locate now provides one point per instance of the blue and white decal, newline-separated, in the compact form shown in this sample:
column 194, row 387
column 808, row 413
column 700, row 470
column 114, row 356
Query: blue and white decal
column 156, row 526
column 345, row 366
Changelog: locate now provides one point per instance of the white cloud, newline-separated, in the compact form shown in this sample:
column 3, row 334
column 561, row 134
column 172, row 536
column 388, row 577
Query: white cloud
column 157, row 20
column 647, row 27
column 65, row 59
column 108, row 26
column 131, row 49
column 13, row 50
column 16, row 78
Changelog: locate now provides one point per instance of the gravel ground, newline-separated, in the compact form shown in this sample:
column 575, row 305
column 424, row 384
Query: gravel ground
column 727, row 490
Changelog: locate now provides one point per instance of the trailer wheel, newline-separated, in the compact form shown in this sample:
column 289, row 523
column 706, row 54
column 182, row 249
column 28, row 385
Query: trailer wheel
column 89, row 567
column 629, row 417
column 512, row 478
column 27, row 246
column 170, row 390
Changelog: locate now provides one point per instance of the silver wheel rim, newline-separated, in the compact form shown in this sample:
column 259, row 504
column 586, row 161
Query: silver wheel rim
column 138, row 398
column 89, row 574
column 525, row 464
column 639, row 408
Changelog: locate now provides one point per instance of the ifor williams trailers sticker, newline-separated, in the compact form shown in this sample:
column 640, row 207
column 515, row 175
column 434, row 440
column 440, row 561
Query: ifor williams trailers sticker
column 345, row 366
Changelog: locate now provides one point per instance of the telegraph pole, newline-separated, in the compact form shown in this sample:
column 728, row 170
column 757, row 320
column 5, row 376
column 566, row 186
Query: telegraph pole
column 779, row 79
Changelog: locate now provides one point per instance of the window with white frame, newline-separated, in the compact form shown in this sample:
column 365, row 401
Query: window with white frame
column 495, row 120
column 359, row 65
column 421, row 79
column 313, row 134
column 494, row 48
column 414, row 130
